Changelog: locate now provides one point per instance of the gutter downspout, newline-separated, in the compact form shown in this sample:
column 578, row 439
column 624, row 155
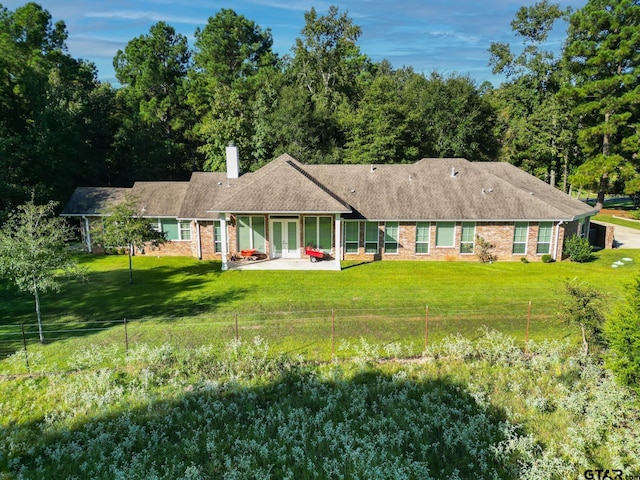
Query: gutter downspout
column 198, row 241
column 555, row 250
column 223, row 238
column 87, row 234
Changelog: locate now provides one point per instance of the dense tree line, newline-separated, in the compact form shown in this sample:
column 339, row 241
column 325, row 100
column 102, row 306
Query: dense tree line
column 574, row 114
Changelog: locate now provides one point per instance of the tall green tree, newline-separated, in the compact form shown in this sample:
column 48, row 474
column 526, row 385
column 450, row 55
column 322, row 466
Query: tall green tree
column 603, row 55
column 124, row 226
column 46, row 100
column 534, row 125
column 234, row 67
column 622, row 332
column 155, row 121
column 34, row 253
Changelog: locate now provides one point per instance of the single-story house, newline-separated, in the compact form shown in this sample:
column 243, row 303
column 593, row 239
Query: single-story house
column 433, row 209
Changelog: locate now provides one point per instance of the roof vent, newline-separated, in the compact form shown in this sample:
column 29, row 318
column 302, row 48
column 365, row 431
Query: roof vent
column 454, row 174
column 353, row 190
column 373, row 168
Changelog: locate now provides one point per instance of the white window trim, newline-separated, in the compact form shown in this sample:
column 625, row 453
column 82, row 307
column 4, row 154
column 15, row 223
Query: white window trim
column 455, row 232
column 428, row 242
column 187, row 225
column 357, row 242
column 526, row 241
column 550, row 242
column 397, row 252
column 377, row 238
column 473, row 242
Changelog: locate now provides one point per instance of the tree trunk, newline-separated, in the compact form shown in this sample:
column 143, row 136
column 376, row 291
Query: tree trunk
column 38, row 315
column 604, row 183
column 585, row 344
column 130, row 265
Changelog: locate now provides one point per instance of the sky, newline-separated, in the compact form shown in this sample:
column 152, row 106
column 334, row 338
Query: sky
column 445, row 36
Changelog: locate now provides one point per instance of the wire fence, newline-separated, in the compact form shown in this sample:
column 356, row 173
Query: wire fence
column 315, row 334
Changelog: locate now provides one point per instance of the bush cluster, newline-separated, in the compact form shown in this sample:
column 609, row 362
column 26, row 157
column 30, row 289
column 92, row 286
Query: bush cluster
column 578, row 249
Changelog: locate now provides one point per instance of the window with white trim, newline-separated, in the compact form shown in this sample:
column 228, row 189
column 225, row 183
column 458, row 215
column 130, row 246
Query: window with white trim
column 351, row 236
column 445, row 234
column 251, row 233
column 544, row 238
column 318, row 232
column 391, row 237
column 520, row 234
column 184, row 229
column 468, row 237
column 423, row 232
column 371, row 237
column 217, row 237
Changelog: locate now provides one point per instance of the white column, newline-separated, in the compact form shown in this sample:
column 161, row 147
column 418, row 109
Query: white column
column 338, row 240
column 223, row 240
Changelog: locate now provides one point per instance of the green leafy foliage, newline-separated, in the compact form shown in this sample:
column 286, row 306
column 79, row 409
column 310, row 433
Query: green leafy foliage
column 583, row 306
column 484, row 250
column 33, row 251
column 578, row 249
column 125, row 227
column 622, row 332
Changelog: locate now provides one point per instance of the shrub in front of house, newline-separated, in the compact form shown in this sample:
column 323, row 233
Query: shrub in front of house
column 578, row 249
column 546, row 258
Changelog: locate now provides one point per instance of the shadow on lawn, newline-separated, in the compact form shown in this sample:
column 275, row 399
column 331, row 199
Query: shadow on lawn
column 105, row 298
column 215, row 432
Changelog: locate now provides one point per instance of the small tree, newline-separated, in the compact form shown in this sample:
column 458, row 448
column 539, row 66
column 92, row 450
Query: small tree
column 484, row 250
column 622, row 332
column 124, row 227
column 33, row 251
column 578, row 249
column 583, row 306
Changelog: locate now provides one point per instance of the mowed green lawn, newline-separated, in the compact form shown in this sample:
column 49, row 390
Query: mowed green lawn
column 190, row 302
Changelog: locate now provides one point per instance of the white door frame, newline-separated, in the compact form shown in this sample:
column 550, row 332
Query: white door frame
column 286, row 250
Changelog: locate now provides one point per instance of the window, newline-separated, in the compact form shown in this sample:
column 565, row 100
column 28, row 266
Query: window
column 170, row 228
column 371, row 237
column 544, row 238
column 351, row 237
column 445, row 234
column 317, row 232
column 217, row 237
column 391, row 237
column 185, row 230
column 520, row 235
column 467, row 237
column 251, row 233
column 423, row 232
column 582, row 224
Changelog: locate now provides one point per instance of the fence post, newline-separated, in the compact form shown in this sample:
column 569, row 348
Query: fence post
column 26, row 354
column 526, row 333
column 426, row 327
column 236, row 316
column 126, row 336
column 333, row 334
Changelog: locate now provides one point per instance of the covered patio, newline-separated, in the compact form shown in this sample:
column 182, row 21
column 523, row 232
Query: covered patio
column 284, row 264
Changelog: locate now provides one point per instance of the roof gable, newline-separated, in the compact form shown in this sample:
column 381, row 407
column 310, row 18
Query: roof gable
column 283, row 185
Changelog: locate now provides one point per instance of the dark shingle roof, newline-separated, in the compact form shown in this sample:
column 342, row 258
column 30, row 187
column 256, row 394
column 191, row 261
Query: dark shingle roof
column 93, row 200
column 281, row 186
column 431, row 189
column 160, row 199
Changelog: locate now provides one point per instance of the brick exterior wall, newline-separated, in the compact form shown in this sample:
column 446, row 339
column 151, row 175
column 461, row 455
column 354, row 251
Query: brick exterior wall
column 499, row 234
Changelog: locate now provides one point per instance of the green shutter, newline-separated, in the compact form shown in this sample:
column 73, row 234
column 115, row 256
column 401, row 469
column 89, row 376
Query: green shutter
column 445, row 234
column 170, row 227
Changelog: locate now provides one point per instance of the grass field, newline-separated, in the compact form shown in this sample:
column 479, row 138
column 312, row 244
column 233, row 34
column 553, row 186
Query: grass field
column 187, row 302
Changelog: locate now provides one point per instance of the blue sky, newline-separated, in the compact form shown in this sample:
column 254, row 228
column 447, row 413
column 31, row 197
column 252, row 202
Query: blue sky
column 447, row 36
